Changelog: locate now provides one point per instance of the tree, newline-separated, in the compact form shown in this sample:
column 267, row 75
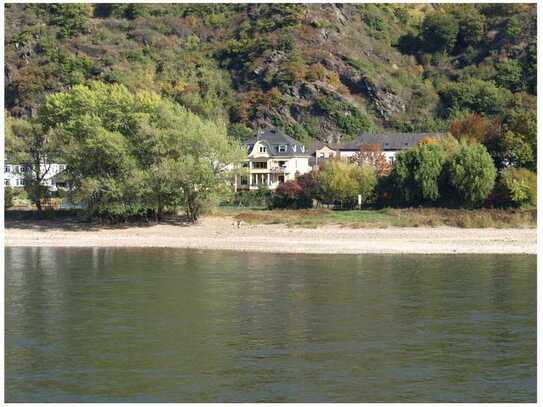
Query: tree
column 471, row 174
column 366, row 177
column 515, row 150
column 72, row 18
column 310, row 187
column 521, row 120
column 416, row 174
column 134, row 154
column 239, row 132
column 342, row 182
column 290, row 195
column 518, row 187
column 512, row 29
column 439, row 31
column 9, row 194
column 475, row 127
column 30, row 146
column 372, row 154
column 509, row 75
column 475, row 95
column 471, row 26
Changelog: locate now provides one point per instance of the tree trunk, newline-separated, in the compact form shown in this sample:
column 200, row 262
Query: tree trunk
column 38, row 206
column 160, row 209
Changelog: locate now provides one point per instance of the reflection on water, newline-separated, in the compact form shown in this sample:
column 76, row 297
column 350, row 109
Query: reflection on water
column 174, row 325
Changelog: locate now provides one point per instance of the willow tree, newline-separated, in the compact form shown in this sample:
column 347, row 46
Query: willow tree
column 471, row 174
column 416, row 174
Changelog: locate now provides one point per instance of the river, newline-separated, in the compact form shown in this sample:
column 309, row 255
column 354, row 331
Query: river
column 169, row 325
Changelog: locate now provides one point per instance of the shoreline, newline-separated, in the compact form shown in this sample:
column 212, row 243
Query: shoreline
column 219, row 233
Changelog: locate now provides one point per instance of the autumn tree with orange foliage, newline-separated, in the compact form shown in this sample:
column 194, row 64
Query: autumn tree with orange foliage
column 475, row 128
column 373, row 155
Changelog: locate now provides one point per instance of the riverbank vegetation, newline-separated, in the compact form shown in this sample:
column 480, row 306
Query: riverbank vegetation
column 388, row 217
column 127, row 155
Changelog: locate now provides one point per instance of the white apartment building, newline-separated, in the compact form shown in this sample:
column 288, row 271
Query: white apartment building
column 273, row 158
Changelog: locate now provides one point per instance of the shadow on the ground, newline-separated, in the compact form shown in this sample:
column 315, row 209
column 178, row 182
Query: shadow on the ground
column 73, row 222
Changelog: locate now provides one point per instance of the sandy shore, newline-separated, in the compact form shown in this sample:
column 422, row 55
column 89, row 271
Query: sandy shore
column 219, row 234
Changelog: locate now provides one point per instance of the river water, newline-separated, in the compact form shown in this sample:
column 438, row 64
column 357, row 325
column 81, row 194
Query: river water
column 168, row 325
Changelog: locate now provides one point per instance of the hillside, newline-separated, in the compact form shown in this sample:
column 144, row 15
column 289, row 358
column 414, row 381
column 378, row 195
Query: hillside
column 318, row 71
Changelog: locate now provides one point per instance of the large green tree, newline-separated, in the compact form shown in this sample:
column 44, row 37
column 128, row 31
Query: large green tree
column 135, row 154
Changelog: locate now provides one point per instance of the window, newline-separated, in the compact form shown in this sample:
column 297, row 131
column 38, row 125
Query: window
column 245, row 165
column 6, row 182
column 294, row 147
column 263, row 149
column 282, row 164
column 7, row 168
column 282, row 148
column 21, row 182
column 303, row 149
column 244, row 181
column 260, row 165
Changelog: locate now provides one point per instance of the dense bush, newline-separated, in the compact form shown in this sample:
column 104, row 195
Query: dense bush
column 261, row 197
column 298, row 193
column 291, row 195
column 517, row 187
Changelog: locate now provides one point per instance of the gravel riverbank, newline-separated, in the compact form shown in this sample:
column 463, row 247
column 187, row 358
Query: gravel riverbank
column 219, row 233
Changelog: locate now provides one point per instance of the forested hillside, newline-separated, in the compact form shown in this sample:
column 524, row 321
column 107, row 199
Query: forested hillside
column 318, row 71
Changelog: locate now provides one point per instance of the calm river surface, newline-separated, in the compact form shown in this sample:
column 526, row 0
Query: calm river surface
column 175, row 325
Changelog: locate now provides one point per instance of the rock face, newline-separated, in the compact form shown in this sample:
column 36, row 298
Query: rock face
column 326, row 71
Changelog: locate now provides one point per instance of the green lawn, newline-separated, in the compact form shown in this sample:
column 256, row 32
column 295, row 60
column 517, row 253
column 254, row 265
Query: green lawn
column 389, row 217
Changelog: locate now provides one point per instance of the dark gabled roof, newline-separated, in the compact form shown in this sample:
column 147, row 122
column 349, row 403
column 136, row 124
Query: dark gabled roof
column 388, row 141
column 274, row 137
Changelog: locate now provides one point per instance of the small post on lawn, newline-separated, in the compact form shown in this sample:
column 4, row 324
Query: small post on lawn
column 359, row 201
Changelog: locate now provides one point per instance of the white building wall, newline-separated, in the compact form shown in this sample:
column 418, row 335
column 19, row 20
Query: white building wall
column 390, row 155
column 14, row 175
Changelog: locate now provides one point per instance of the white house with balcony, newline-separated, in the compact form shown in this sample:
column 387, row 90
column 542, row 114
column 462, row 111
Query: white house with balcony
column 273, row 158
column 15, row 175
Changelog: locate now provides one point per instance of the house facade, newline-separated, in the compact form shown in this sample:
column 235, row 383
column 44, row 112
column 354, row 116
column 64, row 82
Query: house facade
column 273, row 158
column 389, row 143
column 15, row 175
column 319, row 152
